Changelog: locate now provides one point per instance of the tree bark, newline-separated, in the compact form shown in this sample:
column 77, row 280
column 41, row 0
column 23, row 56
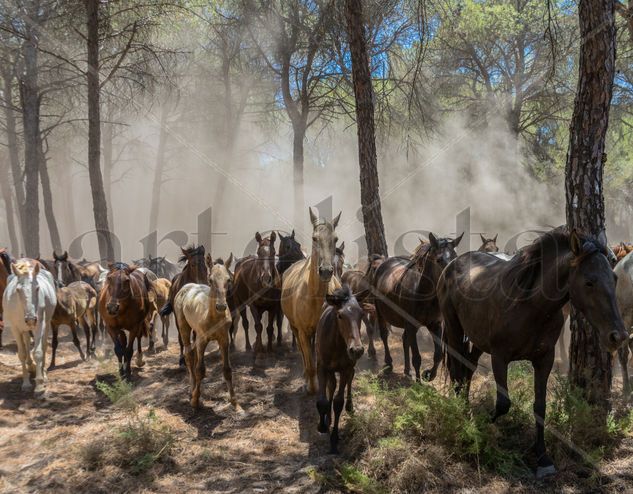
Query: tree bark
column 299, row 134
column 108, row 143
column 158, row 173
column 31, row 123
column 49, row 213
column 8, row 203
column 589, row 365
column 363, row 92
column 99, row 203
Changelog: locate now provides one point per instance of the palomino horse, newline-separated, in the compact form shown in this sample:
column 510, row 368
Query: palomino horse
column 513, row 311
column 360, row 284
column 203, row 310
column 29, row 303
column 76, row 304
column 405, row 297
column 488, row 244
column 161, row 290
column 256, row 285
column 125, row 305
column 5, row 269
column 194, row 271
column 621, row 250
column 338, row 347
column 624, row 294
column 303, row 289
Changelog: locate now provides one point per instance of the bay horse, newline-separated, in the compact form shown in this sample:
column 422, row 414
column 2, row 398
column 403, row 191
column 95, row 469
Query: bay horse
column 125, row 305
column 488, row 244
column 29, row 302
column 338, row 347
column 624, row 294
column 405, row 297
column 513, row 310
column 256, row 284
column 303, row 289
column 5, row 270
column 339, row 260
column 360, row 282
column 76, row 305
column 194, row 271
column 202, row 314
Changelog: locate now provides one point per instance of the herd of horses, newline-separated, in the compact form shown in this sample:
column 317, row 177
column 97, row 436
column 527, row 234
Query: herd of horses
column 484, row 301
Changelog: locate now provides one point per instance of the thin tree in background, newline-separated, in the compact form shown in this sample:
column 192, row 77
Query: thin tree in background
column 589, row 364
column 368, row 162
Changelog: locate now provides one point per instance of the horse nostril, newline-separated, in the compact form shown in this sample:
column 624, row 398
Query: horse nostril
column 220, row 307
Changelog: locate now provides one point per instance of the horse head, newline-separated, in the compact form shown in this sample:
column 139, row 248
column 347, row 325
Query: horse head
column 266, row 258
column 196, row 266
column 324, row 244
column 219, row 280
column 118, row 286
column 27, row 288
column 339, row 259
column 488, row 244
column 348, row 318
column 442, row 250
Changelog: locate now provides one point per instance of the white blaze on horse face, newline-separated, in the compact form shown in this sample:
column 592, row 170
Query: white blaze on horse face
column 28, row 289
column 58, row 265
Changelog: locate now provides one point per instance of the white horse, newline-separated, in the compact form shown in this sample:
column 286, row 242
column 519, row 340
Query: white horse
column 624, row 296
column 29, row 303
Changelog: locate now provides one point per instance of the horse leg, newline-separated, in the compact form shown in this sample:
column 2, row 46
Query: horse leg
column 279, row 316
column 406, row 347
column 270, row 329
column 39, row 354
column 435, row 328
column 86, row 329
column 369, row 327
column 181, row 360
column 23, row 351
column 129, row 352
column 349, row 405
column 165, row 330
column 198, row 370
column 308, row 365
column 89, row 318
column 323, row 404
column 384, row 336
column 415, row 352
column 223, row 343
column 542, row 369
column 245, row 326
column 500, row 371
column 623, row 356
column 152, row 332
column 73, row 330
column 55, row 331
column 259, row 327
column 337, row 404
column 139, row 352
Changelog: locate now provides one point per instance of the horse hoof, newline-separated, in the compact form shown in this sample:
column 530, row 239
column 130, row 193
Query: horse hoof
column 51, row 367
column 371, row 354
column 39, row 391
column 387, row 369
column 428, row 375
column 322, row 428
column 349, row 408
column 333, row 451
column 546, row 471
column 27, row 387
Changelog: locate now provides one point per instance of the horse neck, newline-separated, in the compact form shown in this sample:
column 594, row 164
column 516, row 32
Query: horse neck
column 316, row 286
column 553, row 290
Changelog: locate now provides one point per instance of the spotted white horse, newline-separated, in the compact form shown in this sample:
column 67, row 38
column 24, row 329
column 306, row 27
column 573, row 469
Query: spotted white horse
column 29, row 303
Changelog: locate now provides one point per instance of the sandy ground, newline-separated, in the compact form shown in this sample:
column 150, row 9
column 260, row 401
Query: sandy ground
column 270, row 446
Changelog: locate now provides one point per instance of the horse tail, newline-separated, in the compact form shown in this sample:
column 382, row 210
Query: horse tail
column 167, row 309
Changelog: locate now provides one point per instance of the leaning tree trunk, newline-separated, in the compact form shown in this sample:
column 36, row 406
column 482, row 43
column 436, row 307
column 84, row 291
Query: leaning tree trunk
column 31, row 123
column 299, row 134
column 363, row 92
column 589, row 365
column 99, row 203
column 158, row 173
column 47, row 196
column 7, row 196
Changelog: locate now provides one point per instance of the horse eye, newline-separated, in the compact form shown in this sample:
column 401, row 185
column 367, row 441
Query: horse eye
column 589, row 284
column 314, row 239
column 340, row 316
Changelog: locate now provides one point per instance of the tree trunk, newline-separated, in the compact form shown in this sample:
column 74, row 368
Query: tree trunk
column 590, row 366
column 66, row 178
column 299, row 134
column 47, row 195
column 158, row 173
column 363, row 92
column 8, row 203
column 99, row 203
column 31, row 123
column 12, row 144
column 108, row 142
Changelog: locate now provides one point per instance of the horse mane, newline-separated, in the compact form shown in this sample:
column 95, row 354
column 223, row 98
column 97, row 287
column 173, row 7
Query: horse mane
column 191, row 250
column 525, row 268
column 120, row 266
column 218, row 260
column 339, row 296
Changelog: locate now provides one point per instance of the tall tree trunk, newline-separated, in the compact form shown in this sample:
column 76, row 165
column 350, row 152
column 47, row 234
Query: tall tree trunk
column 108, row 144
column 7, row 196
column 47, row 195
column 299, row 134
column 590, row 366
column 158, row 173
column 66, row 178
column 31, row 123
column 363, row 92
column 12, row 144
column 99, row 203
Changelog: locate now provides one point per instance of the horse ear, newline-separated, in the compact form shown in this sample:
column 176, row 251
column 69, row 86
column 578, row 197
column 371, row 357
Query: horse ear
column 313, row 217
column 14, row 269
column 336, row 220
column 483, row 239
column 184, row 252
column 229, row 261
column 55, row 256
column 65, row 256
column 342, row 246
column 281, row 236
column 458, row 240
column 292, row 235
column 110, row 265
column 575, row 243
column 433, row 240
column 273, row 237
column 208, row 260
column 258, row 237
column 36, row 269
column 495, row 239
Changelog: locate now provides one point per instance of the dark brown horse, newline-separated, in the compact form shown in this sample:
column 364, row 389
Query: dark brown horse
column 339, row 260
column 513, row 310
column 5, row 271
column 488, row 244
column 360, row 284
column 405, row 297
column 194, row 271
column 256, row 285
column 289, row 252
column 76, row 305
column 125, row 305
column 338, row 347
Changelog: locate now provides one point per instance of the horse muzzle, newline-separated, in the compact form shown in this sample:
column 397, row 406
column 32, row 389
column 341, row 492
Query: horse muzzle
column 31, row 321
column 220, row 307
column 325, row 273
column 355, row 352
column 113, row 309
column 616, row 339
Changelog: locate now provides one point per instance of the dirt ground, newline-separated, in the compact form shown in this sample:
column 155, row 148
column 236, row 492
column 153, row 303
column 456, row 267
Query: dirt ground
column 270, row 445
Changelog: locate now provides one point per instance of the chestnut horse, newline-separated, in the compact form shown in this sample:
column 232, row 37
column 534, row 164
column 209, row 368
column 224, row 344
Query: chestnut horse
column 405, row 297
column 338, row 347
column 488, row 244
column 202, row 315
column 513, row 310
column 76, row 304
column 303, row 289
column 256, row 285
column 125, row 305
column 5, row 270
column 195, row 271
